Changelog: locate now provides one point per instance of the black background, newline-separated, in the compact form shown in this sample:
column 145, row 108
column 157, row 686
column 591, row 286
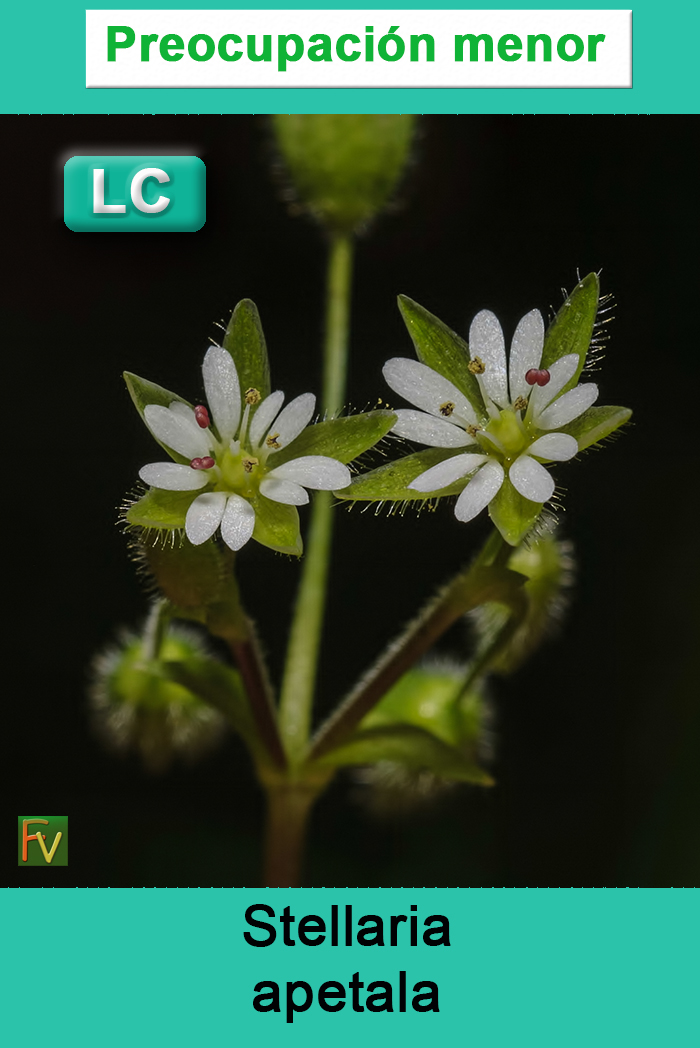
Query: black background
column 598, row 737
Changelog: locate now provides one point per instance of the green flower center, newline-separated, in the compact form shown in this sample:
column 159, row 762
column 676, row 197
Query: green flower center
column 240, row 472
column 510, row 432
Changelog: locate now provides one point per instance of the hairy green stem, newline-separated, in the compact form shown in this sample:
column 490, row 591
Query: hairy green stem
column 301, row 667
column 156, row 629
column 483, row 581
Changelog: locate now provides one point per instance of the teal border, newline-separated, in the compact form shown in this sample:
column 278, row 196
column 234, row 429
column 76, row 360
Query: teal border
column 544, row 967
column 43, row 71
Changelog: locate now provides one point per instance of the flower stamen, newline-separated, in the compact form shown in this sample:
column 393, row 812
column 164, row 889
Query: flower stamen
column 447, row 408
column 520, row 404
column 537, row 376
column 273, row 442
column 249, row 464
column 202, row 417
column 476, row 366
column 252, row 396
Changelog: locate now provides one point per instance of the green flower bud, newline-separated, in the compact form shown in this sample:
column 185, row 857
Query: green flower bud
column 136, row 707
column 344, row 167
column 548, row 564
column 436, row 735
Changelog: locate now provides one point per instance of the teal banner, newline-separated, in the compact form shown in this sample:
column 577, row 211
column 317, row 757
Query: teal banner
column 491, row 966
column 47, row 73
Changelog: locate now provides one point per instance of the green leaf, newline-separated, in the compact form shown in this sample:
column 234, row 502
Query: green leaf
column 596, row 424
column 245, row 341
column 410, row 746
column 144, row 393
column 277, row 526
column 161, row 509
column 442, row 350
column 572, row 328
column 340, row 438
column 513, row 514
column 390, row 482
column 219, row 686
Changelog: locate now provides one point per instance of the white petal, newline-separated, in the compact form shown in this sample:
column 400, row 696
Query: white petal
column 238, row 522
column 284, row 491
column 427, row 429
column 568, row 407
column 531, row 479
column 223, row 391
column 479, row 491
column 204, row 516
column 314, row 471
column 560, row 373
column 294, row 418
column 427, row 389
column 525, row 352
column 264, row 416
column 486, row 342
column 176, row 432
column 172, row 477
column 178, row 408
column 559, row 447
column 445, row 473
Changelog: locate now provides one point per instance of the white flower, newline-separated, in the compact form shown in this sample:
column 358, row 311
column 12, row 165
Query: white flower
column 524, row 408
column 237, row 465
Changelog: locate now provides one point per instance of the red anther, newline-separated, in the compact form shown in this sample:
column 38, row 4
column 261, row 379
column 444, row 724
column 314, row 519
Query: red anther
column 208, row 462
column 197, row 463
column 537, row 376
column 202, row 416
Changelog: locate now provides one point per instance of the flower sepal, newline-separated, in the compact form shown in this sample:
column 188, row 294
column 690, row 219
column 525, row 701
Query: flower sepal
column 572, row 328
column 245, row 341
column 440, row 348
column 160, row 510
column 513, row 514
column 594, row 425
column 390, row 482
column 277, row 526
column 144, row 394
column 342, row 439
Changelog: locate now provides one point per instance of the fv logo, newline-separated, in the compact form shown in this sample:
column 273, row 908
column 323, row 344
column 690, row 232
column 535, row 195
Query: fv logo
column 42, row 840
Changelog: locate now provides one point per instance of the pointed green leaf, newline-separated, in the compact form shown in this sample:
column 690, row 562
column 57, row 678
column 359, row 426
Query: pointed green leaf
column 572, row 328
column 245, row 342
column 410, row 746
column 596, row 424
column 512, row 514
column 219, row 686
column 144, row 393
column 161, row 509
column 390, row 482
column 442, row 350
column 339, row 438
column 277, row 526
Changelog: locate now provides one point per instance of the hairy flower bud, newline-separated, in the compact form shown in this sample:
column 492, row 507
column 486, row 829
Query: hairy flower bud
column 136, row 706
column 344, row 167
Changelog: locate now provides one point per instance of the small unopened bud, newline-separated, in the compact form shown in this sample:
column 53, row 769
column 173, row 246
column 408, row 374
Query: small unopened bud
column 136, row 706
